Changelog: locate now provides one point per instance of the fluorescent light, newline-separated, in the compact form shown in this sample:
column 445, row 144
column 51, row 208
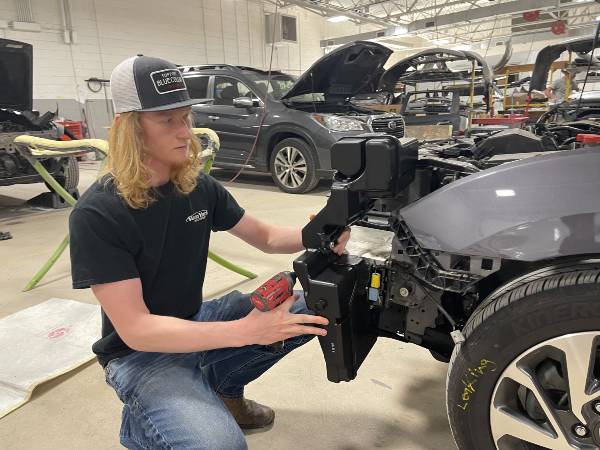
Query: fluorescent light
column 400, row 30
column 462, row 47
column 338, row 19
column 505, row 193
column 441, row 41
column 598, row 19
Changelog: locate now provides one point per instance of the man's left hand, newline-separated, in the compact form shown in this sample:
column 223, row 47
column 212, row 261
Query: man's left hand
column 342, row 240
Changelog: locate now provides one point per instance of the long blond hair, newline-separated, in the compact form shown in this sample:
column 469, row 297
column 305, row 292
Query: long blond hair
column 125, row 168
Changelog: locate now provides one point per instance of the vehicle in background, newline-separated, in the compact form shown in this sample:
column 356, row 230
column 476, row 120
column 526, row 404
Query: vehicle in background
column 299, row 120
column 437, row 79
column 17, row 117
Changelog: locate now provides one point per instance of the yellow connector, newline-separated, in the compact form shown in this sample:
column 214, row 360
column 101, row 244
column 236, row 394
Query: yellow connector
column 375, row 280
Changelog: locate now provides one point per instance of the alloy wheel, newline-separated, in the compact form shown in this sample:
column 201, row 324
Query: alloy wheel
column 549, row 396
column 290, row 167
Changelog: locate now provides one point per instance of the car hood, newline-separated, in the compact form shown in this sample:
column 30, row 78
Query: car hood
column 585, row 97
column 16, row 77
column 549, row 54
column 430, row 65
column 349, row 70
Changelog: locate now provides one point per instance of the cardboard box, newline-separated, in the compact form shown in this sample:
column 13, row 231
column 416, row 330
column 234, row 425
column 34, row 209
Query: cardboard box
column 518, row 99
column 429, row 131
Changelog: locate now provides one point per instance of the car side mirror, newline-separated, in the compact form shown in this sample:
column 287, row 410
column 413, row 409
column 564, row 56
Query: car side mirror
column 243, row 102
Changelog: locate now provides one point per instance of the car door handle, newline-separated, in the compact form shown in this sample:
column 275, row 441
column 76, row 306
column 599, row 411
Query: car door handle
column 214, row 117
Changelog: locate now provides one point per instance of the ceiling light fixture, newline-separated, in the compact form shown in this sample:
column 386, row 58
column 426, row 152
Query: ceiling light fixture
column 336, row 19
column 400, row 30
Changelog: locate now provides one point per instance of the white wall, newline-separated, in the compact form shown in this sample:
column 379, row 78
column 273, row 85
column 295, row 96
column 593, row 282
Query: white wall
column 185, row 32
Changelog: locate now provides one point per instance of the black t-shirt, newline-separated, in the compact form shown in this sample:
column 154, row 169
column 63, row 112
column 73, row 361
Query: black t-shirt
column 165, row 245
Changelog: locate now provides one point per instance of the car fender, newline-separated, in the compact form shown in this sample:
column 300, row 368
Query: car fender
column 541, row 207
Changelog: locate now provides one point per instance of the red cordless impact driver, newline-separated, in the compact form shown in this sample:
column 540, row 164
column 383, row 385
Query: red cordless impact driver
column 273, row 293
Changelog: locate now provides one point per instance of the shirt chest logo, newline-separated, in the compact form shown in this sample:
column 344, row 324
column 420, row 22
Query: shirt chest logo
column 197, row 216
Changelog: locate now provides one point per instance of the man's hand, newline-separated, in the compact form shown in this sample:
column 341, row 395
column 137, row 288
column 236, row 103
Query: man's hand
column 342, row 241
column 279, row 324
column 340, row 246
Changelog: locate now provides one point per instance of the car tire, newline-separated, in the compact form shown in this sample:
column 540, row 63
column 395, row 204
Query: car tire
column 293, row 166
column 524, row 343
column 68, row 175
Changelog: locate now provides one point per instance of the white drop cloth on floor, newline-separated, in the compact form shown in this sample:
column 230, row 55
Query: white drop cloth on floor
column 41, row 343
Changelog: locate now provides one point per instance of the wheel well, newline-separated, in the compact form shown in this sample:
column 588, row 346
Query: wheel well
column 278, row 137
column 512, row 270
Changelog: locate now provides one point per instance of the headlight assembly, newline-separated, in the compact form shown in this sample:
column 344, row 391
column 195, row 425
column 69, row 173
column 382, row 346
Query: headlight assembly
column 338, row 123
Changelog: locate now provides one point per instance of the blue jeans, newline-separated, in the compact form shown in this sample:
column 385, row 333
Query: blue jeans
column 170, row 400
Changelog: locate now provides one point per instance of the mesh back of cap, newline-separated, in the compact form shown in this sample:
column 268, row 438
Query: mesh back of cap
column 123, row 88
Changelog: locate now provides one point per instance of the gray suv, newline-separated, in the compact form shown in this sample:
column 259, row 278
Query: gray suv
column 299, row 120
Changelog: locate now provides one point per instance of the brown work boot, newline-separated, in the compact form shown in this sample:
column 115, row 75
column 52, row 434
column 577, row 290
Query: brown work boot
column 248, row 414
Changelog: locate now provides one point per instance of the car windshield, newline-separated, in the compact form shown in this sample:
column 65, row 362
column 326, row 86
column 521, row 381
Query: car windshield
column 373, row 98
column 279, row 84
column 313, row 97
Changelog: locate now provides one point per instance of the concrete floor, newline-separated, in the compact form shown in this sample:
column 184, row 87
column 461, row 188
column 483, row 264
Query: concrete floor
column 396, row 402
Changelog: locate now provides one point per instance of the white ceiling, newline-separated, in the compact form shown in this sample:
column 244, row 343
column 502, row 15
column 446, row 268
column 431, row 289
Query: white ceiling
column 478, row 20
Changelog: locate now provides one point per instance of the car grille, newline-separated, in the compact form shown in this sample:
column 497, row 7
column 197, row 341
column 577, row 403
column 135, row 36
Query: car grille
column 382, row 125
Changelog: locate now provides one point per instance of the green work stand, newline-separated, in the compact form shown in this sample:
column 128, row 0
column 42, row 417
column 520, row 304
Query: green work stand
column 34, row 148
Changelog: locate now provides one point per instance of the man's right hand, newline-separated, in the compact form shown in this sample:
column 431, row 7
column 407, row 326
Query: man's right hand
column 279, row 324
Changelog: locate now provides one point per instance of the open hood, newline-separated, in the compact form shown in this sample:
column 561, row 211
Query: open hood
column 16, row 75
column 351, row 69
column 431, row 65
column 549, row 54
